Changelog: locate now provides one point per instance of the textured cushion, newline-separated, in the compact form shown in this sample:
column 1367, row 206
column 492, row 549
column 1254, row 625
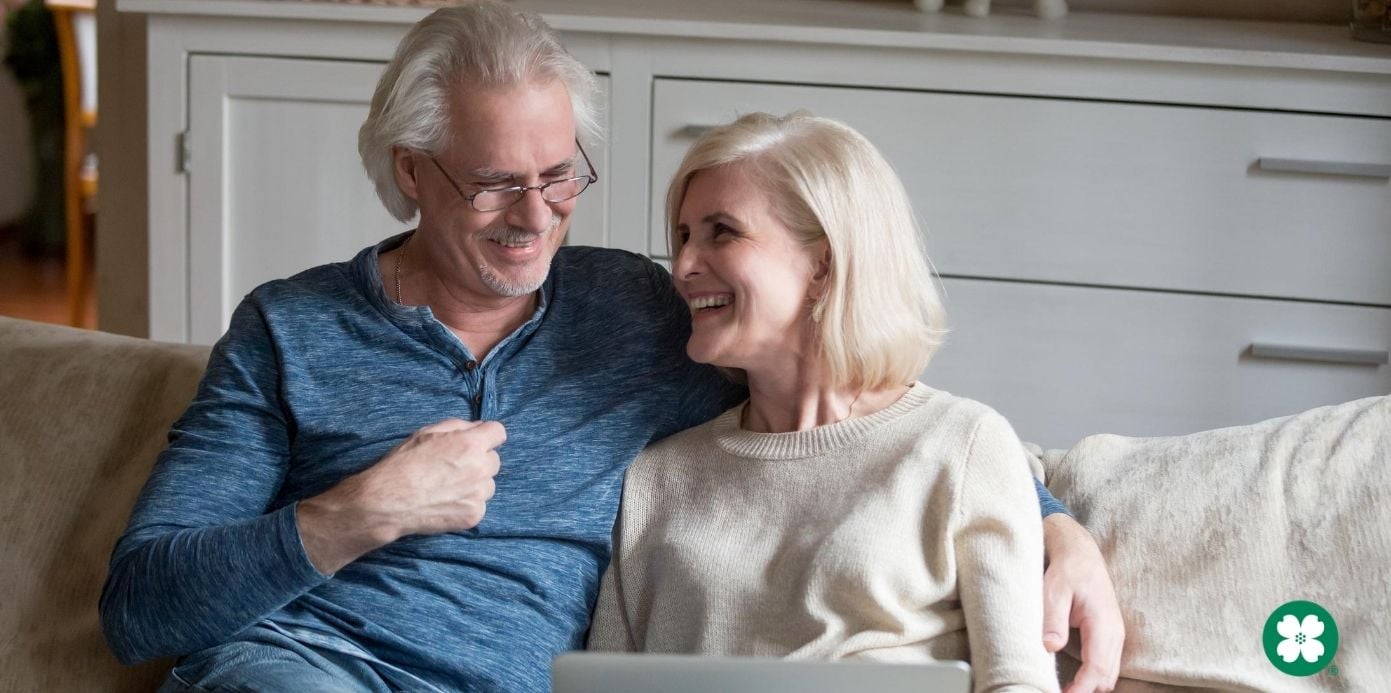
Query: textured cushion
column 82, row 416
column 1206, row 534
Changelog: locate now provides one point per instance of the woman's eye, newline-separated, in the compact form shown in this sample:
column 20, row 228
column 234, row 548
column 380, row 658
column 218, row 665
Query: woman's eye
column 721, row 229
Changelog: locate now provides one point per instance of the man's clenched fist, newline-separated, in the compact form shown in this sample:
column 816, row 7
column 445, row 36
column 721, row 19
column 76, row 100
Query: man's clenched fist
column 438, row 480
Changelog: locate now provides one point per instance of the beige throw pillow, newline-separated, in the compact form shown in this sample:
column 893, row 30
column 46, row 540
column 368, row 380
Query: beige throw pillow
column 1207, row 534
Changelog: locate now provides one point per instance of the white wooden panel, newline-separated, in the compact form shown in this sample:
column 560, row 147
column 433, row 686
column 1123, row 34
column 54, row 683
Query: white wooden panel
column 276, row 182
column 166, row 210
column 1064, row 362
column 1101, row 193
column 276, row 185
column 589, row 225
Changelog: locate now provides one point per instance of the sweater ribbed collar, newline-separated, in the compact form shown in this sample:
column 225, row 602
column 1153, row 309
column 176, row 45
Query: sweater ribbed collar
column 813, row 442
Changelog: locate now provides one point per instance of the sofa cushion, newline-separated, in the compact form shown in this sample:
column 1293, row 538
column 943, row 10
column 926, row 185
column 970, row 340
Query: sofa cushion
column 82, row 418
column 1207, row 534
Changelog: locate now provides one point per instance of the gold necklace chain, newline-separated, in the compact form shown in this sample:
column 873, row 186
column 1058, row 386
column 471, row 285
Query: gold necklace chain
column 851, row 411
column 400, row 258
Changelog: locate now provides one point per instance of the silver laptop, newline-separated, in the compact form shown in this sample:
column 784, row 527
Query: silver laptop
column 596, row 672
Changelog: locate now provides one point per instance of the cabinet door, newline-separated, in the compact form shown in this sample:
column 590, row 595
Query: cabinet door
column 1063, row 362
column 275, row 182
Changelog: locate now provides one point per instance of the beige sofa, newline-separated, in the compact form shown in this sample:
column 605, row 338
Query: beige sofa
column 82, row 416
column 1205, row 534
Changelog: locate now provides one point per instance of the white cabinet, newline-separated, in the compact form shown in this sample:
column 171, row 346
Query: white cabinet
column 1102, row 259
column 1108, row 198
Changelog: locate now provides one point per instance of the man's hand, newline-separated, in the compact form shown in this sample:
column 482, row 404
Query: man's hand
column 438, row 480
column 1077, row 592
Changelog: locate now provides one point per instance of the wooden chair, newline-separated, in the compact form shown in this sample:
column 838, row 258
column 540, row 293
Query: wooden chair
column 76, row 24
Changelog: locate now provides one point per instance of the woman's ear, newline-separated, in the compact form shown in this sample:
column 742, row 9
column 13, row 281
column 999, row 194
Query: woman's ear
column 820, row 274
column 822, row 271
column 403, row 166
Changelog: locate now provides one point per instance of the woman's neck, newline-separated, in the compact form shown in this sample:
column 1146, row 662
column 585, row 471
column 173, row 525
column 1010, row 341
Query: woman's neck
column 797, row 398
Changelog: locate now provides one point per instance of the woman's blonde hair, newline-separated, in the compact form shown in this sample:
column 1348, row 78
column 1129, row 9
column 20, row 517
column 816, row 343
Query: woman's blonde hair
column 880, row 318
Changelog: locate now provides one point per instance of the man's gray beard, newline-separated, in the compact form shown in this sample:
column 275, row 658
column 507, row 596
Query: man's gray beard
column 503, row 287
column 511, row 289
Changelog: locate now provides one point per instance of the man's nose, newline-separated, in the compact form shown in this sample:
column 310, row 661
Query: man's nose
column 531, row 212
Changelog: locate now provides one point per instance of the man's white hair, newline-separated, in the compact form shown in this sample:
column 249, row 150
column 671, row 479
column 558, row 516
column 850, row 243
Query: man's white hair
column 479, row 45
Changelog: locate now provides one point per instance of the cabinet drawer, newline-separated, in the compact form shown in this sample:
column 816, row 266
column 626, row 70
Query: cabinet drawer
column 1063, row 362
column 1112, row 194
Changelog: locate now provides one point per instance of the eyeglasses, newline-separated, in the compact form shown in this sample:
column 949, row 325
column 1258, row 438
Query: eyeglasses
column 498, row 199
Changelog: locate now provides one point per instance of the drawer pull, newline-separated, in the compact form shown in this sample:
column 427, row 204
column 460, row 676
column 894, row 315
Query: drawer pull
column 1358, row 357
column 694, row 131
column 1332, row 168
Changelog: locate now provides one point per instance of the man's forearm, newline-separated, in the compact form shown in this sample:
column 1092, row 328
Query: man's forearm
column 175, row 592
column 335, row 533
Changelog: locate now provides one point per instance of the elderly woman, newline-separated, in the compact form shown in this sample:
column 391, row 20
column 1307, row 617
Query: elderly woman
column 845, row 510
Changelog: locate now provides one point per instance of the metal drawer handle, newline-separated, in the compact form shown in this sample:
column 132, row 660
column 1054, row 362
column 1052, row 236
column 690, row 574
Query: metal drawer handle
column 1358, row 357
column 693, row 131
column 1332, row 168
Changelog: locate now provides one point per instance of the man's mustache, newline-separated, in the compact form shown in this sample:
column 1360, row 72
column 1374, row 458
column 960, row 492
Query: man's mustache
column 513, row 234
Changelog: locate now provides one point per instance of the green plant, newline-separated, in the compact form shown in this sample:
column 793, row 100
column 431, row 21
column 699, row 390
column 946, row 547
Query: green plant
column 32, row 55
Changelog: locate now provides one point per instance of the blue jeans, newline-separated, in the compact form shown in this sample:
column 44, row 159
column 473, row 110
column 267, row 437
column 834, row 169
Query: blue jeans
column 262, row 659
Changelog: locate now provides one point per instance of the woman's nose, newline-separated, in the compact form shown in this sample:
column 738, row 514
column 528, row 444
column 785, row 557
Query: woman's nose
column 687, row 262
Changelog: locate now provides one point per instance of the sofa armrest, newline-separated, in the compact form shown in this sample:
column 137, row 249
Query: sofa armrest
column 82, row 418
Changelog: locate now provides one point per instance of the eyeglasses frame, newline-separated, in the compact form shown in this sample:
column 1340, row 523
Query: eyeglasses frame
column 522, row 190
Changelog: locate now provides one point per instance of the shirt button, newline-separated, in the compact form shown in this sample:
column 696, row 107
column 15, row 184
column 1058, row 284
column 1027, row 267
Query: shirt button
column 478, row 399
column 470, row 365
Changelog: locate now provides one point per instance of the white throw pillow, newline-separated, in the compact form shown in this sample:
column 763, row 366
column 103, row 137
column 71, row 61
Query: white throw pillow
column 1207, row 534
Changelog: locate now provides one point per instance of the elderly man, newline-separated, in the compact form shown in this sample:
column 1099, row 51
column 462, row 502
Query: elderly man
column 318, row 519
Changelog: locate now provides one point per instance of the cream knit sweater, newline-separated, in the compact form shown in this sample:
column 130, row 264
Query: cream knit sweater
column 909, row 535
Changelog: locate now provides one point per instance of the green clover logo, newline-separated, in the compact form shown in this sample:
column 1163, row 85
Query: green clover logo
column 1300, row 638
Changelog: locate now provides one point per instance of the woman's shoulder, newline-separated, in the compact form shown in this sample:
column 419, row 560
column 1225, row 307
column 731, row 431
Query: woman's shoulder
column 948, row 421
column 694, row 440
column 682, row 447
column 943, row 405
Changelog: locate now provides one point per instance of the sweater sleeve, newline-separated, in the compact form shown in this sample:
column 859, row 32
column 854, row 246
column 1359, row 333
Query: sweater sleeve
column 998, row 541
column 609, row 629
column 608, row 632
column 204, row 555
